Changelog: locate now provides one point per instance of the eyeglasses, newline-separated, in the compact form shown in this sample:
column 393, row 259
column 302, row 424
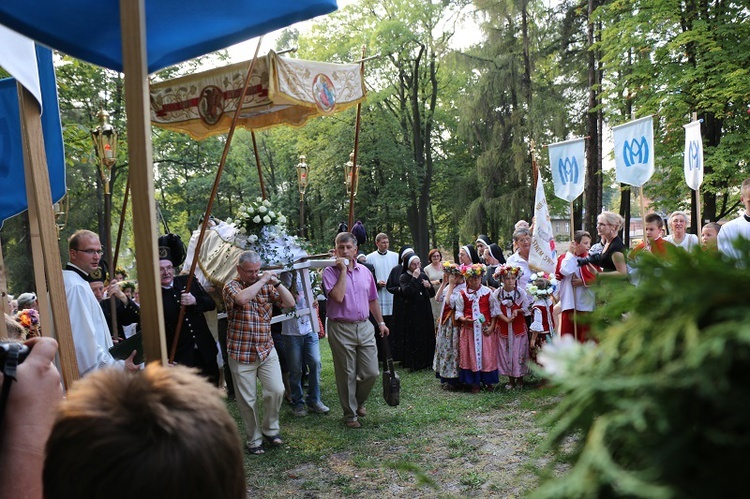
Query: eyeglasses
column 599, row 224
column 90, row 252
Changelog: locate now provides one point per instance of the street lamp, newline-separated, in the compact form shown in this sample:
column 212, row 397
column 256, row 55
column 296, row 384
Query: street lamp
column 302, row 181
column 351, row 172
column 105, row 144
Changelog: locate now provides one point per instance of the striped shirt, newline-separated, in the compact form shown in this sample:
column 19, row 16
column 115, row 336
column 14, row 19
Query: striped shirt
column 249, row 326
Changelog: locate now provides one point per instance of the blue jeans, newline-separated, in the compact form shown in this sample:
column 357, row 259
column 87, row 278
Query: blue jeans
column 303, row 350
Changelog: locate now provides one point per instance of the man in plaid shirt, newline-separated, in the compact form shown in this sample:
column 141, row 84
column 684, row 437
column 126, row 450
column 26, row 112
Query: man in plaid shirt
column 249, row 300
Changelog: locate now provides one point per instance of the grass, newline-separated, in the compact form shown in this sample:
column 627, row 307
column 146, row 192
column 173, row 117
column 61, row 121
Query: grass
column 435, row 444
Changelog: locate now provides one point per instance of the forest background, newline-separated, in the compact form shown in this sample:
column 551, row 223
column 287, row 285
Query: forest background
column 446, row 137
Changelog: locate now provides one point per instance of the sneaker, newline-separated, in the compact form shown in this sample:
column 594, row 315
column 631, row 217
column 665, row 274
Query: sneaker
column 299, row 411
column 318, row 408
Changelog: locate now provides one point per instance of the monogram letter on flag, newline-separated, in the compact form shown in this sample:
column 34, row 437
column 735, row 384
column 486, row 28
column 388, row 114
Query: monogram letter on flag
column 634, row 151
column 693, row 155
column 542, row 252
column 566, row 160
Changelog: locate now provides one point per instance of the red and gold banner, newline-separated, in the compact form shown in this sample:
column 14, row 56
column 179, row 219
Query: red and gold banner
column 282, row 91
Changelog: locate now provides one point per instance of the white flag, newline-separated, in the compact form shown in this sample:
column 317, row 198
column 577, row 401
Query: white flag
column 693, row 155
column 634, row 151
column 542, row 256
column 567, row 162
column 18, row 57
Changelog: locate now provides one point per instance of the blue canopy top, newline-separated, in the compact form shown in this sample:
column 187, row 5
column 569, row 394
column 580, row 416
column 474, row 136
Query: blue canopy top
column 176, row 30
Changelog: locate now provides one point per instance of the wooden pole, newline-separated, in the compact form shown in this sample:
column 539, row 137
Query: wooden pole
column 37, row 174
column 122, row 224
column 252, row 134
column 356, row 146
column 572, row 222
column 211, row 198
column 37, row 258
column 647, row 245
column 4, row 306
column 133, row 25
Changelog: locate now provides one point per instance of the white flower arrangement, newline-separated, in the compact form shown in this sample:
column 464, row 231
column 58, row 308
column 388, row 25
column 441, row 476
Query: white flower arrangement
column 253, row 217
column 542, row 285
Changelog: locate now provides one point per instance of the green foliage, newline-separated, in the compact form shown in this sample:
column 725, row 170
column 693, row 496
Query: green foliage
column 658, row 408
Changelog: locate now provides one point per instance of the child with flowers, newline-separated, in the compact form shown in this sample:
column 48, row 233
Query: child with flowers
column 476, row 312
column 576, row 298
column 513, row 338
column 541, row 287
column 445, row 363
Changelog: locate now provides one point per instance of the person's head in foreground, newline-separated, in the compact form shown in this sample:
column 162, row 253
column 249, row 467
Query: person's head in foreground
column 162, row 433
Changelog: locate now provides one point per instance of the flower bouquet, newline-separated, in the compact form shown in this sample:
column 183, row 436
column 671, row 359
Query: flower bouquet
column 253, row 218
column 29, row 319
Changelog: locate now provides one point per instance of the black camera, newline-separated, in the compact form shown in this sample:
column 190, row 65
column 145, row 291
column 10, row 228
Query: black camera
column 10, row 350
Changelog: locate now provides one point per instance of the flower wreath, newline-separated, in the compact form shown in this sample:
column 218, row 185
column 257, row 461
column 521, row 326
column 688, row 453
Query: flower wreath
column 542, row 285
column 451, row 268
column 475, row 270
column 508, row 270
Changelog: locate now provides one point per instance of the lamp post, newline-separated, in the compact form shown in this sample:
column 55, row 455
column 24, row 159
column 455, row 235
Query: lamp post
column 105, row 144
column 302, row 181
column 351, row 179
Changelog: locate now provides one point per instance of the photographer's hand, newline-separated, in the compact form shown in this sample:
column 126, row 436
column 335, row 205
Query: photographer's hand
column 31, row 409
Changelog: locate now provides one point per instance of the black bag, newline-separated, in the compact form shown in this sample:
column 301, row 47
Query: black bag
column 391, row 381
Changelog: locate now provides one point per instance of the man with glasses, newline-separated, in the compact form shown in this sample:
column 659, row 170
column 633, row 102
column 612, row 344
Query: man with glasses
column 91, row 336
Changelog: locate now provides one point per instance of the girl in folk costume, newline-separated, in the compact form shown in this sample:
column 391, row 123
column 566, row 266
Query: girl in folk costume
column 446, row 358
column 476, row 311
column 541, row 287
column 513, row 339
column 576, row 298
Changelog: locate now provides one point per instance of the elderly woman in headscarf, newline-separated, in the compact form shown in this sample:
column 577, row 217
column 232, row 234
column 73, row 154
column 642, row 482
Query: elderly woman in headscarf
column 418, row 325
column 467, row 255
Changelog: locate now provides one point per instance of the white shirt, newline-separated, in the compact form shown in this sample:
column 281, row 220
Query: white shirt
column 517, row 260
column 731, row 231
column 579, row 298
column 688, row 242
column 383, row 265
column 301, row 326
column 89, row 326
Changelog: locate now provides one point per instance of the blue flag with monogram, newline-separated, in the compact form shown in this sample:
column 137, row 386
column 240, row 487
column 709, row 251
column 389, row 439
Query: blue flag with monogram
column 634, row 151
column 567, row 162
column 12, row 177
column 693, row 155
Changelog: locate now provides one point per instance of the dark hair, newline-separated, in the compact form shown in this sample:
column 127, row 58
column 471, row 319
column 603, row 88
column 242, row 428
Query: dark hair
column 654, row 218
column 579, row 235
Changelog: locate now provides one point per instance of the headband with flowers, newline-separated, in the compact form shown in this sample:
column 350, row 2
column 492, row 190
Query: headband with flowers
column 451, row 268
column 475, row 270
column 508, row 270
column 542, row 284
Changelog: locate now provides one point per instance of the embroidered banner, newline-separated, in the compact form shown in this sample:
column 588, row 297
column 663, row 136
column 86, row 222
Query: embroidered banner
column 281, row 91
column 542, row 255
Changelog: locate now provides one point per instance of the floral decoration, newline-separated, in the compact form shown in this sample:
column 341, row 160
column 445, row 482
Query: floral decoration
column 253, row 217
column 475, row 270
column 29, row 319
column 451, row 268
column 508, row 269
column 542, row 285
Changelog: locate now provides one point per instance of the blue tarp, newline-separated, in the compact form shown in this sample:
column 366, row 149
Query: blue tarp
column 176, row 30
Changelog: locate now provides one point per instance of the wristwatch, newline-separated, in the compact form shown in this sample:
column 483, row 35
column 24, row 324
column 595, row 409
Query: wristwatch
column 381, row 323
column 277, row 284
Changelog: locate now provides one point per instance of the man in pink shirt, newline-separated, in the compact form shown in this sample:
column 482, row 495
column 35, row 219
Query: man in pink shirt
column 352, row 295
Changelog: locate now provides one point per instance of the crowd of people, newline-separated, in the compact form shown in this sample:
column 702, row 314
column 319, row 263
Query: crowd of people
column 477, row 323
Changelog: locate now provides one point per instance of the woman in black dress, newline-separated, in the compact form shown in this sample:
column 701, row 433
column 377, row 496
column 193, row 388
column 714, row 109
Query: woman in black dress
column 393, row 285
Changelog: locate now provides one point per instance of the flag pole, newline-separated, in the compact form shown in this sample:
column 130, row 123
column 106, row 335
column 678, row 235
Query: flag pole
column 212, row 197
column 357, row 122
column 643, row 218
column 3, row 295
